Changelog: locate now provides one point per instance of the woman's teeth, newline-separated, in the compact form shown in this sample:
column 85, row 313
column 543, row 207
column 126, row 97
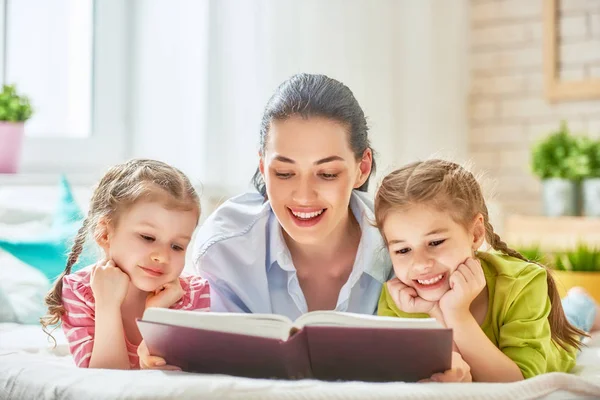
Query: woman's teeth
column 307, row 215
column 431, row 281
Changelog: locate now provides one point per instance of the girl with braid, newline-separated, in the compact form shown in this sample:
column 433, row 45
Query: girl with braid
column 504, row 310
column 142, row 215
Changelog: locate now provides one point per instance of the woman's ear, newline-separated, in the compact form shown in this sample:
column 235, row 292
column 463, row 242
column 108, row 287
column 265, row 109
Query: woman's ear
column 261, row 166
column 364, row 168
column 103, row 233
column 478, row 231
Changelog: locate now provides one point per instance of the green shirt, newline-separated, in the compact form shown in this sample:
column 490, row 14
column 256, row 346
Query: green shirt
column 517, row 316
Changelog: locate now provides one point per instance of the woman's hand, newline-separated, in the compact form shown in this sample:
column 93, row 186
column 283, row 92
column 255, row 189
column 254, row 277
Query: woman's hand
column 166, row 295
column 109, row 284
column 407, row 299
column 148, row 361
column 460, row 372
column 465, row 285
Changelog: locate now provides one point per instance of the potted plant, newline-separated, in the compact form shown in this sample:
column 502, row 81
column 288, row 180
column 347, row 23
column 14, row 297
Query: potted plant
column 14, row 111
column 559, row 161
column 578, row 267
column 591, row 183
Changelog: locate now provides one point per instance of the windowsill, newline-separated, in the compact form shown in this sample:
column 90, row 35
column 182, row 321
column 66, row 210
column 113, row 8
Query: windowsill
column 551, row 233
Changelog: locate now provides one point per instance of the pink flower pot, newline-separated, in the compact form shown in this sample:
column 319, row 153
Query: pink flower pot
column 11, row 140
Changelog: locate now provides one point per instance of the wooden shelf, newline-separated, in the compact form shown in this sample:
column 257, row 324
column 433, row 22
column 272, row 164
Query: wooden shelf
column 551, row 233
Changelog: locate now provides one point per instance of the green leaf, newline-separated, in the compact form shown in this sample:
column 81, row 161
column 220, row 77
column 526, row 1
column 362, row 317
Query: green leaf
column 561, row 155
column 14, row 107
column 583, row 259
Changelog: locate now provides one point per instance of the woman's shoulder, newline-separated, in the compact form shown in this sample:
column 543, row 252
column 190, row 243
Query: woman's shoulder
column 235, row 218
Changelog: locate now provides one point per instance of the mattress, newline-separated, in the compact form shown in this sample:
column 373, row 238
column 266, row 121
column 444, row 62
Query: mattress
column 31, row 368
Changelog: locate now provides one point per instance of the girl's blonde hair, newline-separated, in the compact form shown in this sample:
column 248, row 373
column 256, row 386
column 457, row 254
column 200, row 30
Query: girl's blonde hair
column 122, row 186
column 449, row 187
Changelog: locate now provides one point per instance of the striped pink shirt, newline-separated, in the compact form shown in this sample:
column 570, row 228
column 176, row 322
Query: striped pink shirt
column 78, row 321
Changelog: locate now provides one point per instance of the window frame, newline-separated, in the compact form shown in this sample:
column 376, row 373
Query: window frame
column 108, row 141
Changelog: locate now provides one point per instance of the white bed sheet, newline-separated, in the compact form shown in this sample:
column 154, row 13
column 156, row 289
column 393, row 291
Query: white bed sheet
column 30, row 369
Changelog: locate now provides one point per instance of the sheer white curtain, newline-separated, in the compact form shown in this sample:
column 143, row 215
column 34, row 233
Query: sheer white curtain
column 203, row 72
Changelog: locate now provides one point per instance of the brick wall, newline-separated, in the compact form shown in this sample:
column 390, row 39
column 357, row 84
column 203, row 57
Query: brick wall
column 507, row 108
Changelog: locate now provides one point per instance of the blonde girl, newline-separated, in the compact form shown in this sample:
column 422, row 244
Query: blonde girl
column 142, row 215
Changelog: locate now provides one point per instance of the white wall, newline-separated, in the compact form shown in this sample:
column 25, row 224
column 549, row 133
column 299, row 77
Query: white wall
column 432, row 80
column 204, row 70
column 169, row 81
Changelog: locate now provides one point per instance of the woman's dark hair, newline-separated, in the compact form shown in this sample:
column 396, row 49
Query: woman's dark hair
column 309, row 95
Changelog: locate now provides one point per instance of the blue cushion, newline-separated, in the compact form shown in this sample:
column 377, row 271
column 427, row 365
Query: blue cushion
column 49, row 252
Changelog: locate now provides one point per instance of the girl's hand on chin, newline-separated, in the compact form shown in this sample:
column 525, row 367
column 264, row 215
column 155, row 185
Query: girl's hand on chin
column 465, row 285
column 109, row 284
column 166, row 295
column 407, row 299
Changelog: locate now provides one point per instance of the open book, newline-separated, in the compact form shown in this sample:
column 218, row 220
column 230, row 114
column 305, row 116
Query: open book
column 326, row 345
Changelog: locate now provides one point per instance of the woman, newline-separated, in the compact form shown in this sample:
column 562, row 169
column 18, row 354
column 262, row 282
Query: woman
column 305, row 241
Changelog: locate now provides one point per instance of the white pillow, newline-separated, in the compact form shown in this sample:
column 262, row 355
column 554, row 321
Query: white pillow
column 22, row 291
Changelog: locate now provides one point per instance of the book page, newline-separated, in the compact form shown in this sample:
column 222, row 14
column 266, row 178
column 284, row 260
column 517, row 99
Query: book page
column 336, row 318
column 262, row 325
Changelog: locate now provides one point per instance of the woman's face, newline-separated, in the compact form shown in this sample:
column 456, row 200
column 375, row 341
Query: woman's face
column 309, row 171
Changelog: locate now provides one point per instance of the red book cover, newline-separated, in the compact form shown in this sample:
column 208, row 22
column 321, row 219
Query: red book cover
column 199, row 350
column 320, row 352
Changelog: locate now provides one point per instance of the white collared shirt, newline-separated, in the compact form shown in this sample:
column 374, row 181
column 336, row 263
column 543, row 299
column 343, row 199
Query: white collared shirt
column 240, row 250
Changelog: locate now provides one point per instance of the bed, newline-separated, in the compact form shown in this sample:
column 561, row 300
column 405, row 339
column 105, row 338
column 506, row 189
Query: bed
column 31, row 369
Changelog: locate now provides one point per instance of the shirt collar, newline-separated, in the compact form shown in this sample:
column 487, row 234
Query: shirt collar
column 372, row 257
column 278, row 250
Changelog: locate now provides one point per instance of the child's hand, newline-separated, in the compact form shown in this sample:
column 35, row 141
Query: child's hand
column 460, row 372
column 152, row 362
column 407, row 299
column 109, row 284
column 465, row 285
column 165, row 296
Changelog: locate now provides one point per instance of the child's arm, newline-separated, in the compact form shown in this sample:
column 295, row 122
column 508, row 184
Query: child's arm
column 524, row 334
column 196, row 296
column 109, row 284
column 85, row 323
column 393, row 302
column 488, row 363
column 110, row 349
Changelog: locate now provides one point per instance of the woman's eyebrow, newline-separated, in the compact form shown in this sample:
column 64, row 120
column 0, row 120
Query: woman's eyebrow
column 284, row 159
column 328, row 159
column 318, row 162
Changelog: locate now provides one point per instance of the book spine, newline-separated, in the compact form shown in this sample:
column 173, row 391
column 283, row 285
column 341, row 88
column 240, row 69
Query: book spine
column 297, row 359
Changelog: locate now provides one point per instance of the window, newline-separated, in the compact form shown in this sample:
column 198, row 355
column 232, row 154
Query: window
column 70, row 57
column 49, row 55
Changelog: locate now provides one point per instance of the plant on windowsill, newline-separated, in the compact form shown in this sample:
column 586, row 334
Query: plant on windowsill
column 559, row 160
column 15, row 109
